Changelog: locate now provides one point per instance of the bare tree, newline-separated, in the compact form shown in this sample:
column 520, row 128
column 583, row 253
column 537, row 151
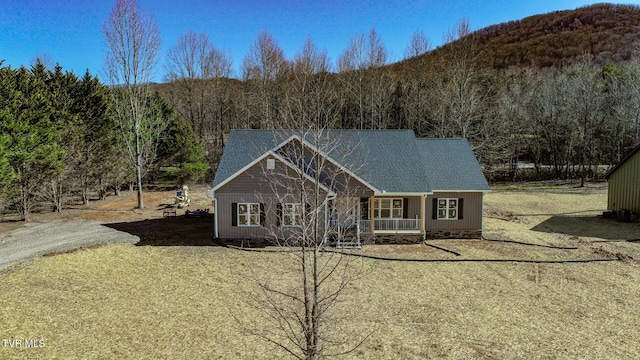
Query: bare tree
column 549, row 123
column 365, row 82
column 301, row 303
column 585, row 100
column 504, row 137
column 45, row 59
column 305, row 315
column 262, row 67
column 419, row 45
column 461, row 96
column 309, row 98
column 133, row 39
column 622, row 110
column 199, row 71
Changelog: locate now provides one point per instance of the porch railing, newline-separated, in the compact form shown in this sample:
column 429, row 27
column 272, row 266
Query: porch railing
column 384, row 225
column 395, row 224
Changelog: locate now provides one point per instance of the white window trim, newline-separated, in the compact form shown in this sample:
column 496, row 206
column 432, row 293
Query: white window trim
column 447, row 208
column 248, row 214
column 289, row 209
column 377, row 209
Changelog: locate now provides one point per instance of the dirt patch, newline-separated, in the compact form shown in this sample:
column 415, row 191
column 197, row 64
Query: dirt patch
column 600, row 250
column 497, row 213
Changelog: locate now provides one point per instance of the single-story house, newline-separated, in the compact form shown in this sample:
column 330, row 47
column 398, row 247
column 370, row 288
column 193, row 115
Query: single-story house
column 390, row 184
column 624, row 183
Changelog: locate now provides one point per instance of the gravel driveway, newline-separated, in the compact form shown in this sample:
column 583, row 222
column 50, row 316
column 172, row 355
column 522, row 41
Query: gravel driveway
column 36, row 239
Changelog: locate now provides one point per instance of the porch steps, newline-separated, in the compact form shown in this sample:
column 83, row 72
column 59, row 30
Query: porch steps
column 349, row 244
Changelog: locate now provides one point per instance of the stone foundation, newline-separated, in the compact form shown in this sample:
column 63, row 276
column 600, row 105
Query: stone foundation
column 392, row 239
column 454, row 234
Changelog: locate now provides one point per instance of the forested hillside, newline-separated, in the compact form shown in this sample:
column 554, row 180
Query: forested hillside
column 560, row 90
column 609, row 33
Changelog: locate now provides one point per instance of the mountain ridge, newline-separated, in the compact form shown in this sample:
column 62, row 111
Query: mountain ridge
column 610, row 33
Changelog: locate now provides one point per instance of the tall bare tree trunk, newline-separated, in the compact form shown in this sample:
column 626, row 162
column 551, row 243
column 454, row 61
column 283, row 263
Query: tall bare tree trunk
column 133, row 39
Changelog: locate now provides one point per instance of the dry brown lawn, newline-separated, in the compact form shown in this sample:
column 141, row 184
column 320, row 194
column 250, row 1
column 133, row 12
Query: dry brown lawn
column 129, row 302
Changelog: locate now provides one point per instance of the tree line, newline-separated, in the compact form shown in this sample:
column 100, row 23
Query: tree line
column 563, row 123
column 60, row 141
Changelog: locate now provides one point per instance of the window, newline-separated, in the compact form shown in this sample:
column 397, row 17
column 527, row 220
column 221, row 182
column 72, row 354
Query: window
column 248, row 214
column 388, row 208
column 447, row 209
column 271, row 164
column 292, row 214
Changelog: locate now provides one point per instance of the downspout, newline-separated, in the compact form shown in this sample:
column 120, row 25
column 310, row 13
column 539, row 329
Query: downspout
column 482, row 218
column 215, row 217
column 423, row 214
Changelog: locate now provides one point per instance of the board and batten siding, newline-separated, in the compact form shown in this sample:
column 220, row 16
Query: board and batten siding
column 254, row 179
column 624, row 186
column 253, row 186
column 471, row 212
column 226, row 230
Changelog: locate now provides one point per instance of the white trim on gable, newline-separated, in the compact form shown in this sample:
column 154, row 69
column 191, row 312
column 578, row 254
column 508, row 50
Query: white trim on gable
column 245, row 168
column 307, row 176
column 277, row 147
column 334, row 162
column 260, row 158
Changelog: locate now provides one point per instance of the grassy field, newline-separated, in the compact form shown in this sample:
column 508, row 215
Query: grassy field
column 126, row 301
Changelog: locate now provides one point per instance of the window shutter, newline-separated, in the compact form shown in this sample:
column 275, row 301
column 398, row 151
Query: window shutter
column 460, row 207
column 234, row 214
column 279, row 214
column 263, row 214
column 434, row 214
column 365, row 208
column 405, row 208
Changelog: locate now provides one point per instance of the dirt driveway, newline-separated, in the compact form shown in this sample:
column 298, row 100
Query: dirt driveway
column 113, row 220
column 37, row 239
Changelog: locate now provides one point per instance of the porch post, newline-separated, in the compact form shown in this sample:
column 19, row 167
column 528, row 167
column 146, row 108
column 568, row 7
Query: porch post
column 372, row 213
column 423, row 213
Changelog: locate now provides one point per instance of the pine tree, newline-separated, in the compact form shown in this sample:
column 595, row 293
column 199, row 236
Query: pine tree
column 31, row 138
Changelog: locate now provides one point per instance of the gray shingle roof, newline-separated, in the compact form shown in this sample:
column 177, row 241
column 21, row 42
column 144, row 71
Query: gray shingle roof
column 386, row 159
column 393, row 161
column 242, row 147
column 451, row 165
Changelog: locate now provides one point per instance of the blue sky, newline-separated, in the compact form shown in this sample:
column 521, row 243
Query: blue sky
column 69, row 31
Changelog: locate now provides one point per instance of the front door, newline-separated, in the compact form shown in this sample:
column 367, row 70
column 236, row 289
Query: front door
column 346, row 210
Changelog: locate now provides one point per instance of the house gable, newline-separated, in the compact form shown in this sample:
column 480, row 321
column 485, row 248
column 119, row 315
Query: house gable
column 255, row 177
column 340, row 176
column 245, row 149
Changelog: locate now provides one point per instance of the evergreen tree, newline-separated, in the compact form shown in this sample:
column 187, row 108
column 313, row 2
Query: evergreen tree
column 99, row 160
column 31, row 138
column 181, row 147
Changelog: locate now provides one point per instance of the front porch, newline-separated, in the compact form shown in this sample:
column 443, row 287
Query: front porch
column 355, row 219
